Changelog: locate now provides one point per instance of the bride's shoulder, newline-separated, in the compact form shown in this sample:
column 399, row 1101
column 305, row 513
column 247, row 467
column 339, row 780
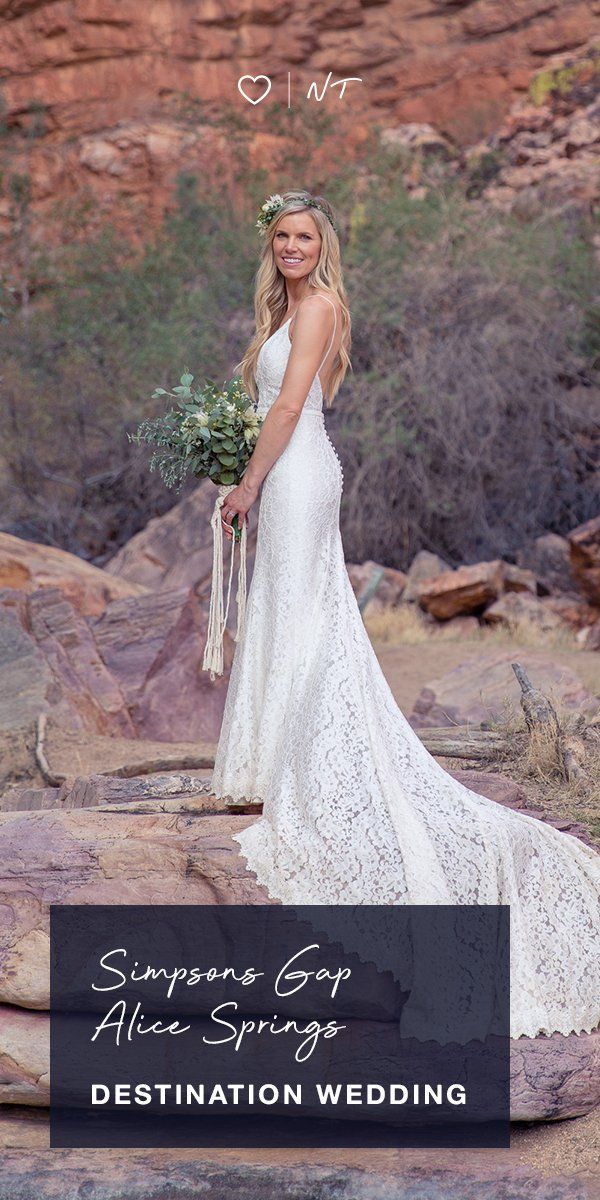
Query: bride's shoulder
column 326, row 302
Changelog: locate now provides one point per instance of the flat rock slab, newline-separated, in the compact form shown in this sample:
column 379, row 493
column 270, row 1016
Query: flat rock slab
column 283, row 1175
column 89, row 857
column 479, row 689
column 70, row 754
column 551, row 1078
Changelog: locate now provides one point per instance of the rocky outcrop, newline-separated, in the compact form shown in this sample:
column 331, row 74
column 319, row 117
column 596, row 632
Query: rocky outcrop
column 26, row 566
column 514, row 607
column 424, row 568
column 135, row 671
column 175, row 550
column 62, row 676
column 473, row 588
column 584, row 544
column 89, row 857
column 466, row 590
column 117, row 100
column 551, row 1077
column 547, row 557
column 153, row 647
column 270, row 1174
column 74, row 854
column 544, row 155
column 478, row 689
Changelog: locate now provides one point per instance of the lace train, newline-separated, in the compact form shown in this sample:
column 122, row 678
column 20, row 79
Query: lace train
column 356, row 811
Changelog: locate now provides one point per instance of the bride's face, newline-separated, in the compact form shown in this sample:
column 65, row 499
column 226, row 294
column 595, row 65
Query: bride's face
column 296, row 245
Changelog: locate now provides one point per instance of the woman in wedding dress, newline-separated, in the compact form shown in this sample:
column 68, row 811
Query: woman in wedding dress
column 355, row 809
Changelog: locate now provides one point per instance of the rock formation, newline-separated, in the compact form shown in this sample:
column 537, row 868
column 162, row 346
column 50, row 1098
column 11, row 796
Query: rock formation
column 106, row 100
column 478, row 689
column 27, row 566
column 134, row 672
column 91, row 857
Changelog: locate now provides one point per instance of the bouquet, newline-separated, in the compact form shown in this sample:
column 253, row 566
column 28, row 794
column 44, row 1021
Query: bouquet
column 210, row 432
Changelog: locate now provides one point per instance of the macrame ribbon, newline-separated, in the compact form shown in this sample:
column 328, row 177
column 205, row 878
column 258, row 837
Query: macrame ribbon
column 217, row 618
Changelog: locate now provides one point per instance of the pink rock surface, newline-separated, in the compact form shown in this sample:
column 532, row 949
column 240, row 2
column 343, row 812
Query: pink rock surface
column 153, row 647
column 86, row 857
column 30, row 1168
column 26, row 566
column 175, row 550
column 551, row 1078
column 477, row 690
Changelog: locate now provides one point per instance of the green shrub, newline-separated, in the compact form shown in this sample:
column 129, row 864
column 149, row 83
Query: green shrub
column 475, row 367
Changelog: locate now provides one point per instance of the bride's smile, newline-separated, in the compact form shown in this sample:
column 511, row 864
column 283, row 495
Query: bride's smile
column 297, row 246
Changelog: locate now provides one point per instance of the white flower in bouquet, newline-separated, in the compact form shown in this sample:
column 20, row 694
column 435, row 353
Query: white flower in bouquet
column 210, row 432
column 205, row 434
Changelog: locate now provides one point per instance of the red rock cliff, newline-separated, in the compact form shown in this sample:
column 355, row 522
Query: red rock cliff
column 110, row 79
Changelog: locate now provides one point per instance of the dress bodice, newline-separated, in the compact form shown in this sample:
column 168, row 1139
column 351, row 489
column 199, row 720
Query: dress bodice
column 270, row 370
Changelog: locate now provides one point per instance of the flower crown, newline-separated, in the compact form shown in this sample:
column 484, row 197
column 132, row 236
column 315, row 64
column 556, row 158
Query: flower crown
column 274, row 203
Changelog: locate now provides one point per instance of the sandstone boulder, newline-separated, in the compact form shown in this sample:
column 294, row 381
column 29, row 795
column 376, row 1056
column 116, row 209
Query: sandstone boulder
column 153, row 647
column 514, row 607
column 574, row 611
column 584, row 543
column 459, row 697
column 26, row 566
column 518, row 579
column 136, row 671
column 465, row 590
column 49, row 665
column 424, row 568
column 375, row 587
column 547, row 557
column 175, row 550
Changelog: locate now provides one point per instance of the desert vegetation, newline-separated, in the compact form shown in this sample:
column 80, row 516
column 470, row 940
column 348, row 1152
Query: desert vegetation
column 468, row 424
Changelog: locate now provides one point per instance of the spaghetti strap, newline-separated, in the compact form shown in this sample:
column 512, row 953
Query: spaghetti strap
column 329, row 301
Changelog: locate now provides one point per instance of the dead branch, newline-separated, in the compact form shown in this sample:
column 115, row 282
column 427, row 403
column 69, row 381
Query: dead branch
column 40, row 757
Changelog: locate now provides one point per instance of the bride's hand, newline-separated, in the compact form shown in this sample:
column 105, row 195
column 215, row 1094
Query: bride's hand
column 238, row 502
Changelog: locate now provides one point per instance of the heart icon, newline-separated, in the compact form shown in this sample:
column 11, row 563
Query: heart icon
column 254, row 79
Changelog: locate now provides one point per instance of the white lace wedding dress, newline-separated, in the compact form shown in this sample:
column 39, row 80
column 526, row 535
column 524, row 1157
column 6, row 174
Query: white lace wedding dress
column 355, row 809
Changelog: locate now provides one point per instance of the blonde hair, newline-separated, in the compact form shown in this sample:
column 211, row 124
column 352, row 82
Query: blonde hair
column 270, row 296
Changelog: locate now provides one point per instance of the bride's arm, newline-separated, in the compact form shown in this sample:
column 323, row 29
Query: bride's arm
column 313, row 327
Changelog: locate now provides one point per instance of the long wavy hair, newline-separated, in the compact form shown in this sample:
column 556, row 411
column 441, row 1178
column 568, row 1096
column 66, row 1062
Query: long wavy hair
column 270, row 296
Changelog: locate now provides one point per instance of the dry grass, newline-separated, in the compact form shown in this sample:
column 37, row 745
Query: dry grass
column 535, row 761
column 408, row 623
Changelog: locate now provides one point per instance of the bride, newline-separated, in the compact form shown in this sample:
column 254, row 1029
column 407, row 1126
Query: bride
column 355, row 810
